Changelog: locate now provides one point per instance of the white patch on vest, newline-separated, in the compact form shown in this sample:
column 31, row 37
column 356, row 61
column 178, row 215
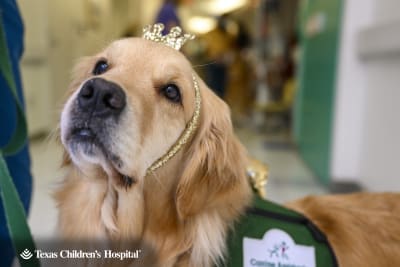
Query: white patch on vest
column 276, row 249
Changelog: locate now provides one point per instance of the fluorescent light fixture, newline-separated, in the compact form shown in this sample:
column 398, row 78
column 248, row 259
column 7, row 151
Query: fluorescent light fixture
column 201, row 25
column 218, row 7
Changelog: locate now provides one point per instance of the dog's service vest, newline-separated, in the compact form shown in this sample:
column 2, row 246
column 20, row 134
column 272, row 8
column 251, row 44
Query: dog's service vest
column 270, row 235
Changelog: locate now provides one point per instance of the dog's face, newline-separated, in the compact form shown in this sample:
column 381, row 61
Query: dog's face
column 128, row 105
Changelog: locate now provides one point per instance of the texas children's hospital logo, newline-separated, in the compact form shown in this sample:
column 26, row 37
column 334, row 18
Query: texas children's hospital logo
column 81, row 254
column 26, row 254
column 276, row 249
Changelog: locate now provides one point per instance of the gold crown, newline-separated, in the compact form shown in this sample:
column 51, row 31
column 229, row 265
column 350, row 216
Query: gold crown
column 175, row 38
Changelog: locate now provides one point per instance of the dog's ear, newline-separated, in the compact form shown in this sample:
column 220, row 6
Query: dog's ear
column 214, row 174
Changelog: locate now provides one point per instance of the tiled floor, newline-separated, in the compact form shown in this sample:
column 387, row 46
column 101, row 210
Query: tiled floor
column 289, row 177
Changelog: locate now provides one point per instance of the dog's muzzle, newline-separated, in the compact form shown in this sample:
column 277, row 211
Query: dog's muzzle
column 93, row 117
column 92, row 120
column 101, row 98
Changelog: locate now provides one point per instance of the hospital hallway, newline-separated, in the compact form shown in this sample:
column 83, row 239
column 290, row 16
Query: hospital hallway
column 289, row 178
column 312, row 85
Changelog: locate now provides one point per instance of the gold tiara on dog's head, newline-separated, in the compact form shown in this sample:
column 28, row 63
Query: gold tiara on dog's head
column 175, row 38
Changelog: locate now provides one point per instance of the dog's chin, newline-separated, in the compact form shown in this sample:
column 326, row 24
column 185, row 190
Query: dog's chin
column 88, row 152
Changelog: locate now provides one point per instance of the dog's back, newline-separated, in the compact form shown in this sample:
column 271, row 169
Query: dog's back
column 363, row 228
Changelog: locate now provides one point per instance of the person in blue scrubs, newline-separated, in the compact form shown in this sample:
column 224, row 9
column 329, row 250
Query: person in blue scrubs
column 19, row 163
column 168, row 15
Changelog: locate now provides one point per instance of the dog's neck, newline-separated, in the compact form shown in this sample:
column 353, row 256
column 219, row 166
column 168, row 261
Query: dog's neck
column 164, row 231
column 97, row 207
column 146, row 213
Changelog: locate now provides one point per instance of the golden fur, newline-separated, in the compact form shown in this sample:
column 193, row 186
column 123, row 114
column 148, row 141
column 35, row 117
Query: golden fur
column 362, row 228
column 179, row 216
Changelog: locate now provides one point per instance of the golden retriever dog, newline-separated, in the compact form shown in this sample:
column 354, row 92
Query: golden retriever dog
column 128, row 106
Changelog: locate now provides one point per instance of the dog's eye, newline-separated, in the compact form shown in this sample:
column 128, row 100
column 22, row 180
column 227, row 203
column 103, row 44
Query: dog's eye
column 100, row 67
column 171, row 92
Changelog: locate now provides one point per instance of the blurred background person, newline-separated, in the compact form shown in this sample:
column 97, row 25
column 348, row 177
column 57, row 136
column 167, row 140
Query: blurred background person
column 18, row 164
column 279, row 109
column 240, row 89
column 168, row 15
column 218, row 45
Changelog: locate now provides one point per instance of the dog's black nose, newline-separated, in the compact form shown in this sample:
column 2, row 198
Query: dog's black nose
column 102, row 98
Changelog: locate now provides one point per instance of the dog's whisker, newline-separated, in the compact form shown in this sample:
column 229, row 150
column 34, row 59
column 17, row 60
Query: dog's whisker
column 156, row 177
column 53, row 134
column 204, row 65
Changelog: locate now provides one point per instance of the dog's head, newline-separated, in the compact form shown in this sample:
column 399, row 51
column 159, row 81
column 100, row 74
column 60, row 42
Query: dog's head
column 130, row 103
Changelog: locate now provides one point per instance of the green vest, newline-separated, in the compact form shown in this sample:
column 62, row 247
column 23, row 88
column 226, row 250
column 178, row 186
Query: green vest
column 290, row 239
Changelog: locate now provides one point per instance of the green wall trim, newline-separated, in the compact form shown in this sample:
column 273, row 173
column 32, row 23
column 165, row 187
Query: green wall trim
column 314, row 107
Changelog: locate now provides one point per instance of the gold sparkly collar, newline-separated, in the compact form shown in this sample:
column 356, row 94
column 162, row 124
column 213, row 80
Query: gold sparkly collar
column 186, row 134
column 176, row 40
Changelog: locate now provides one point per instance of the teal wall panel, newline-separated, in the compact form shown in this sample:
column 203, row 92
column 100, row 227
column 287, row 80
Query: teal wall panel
column 313, row 112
